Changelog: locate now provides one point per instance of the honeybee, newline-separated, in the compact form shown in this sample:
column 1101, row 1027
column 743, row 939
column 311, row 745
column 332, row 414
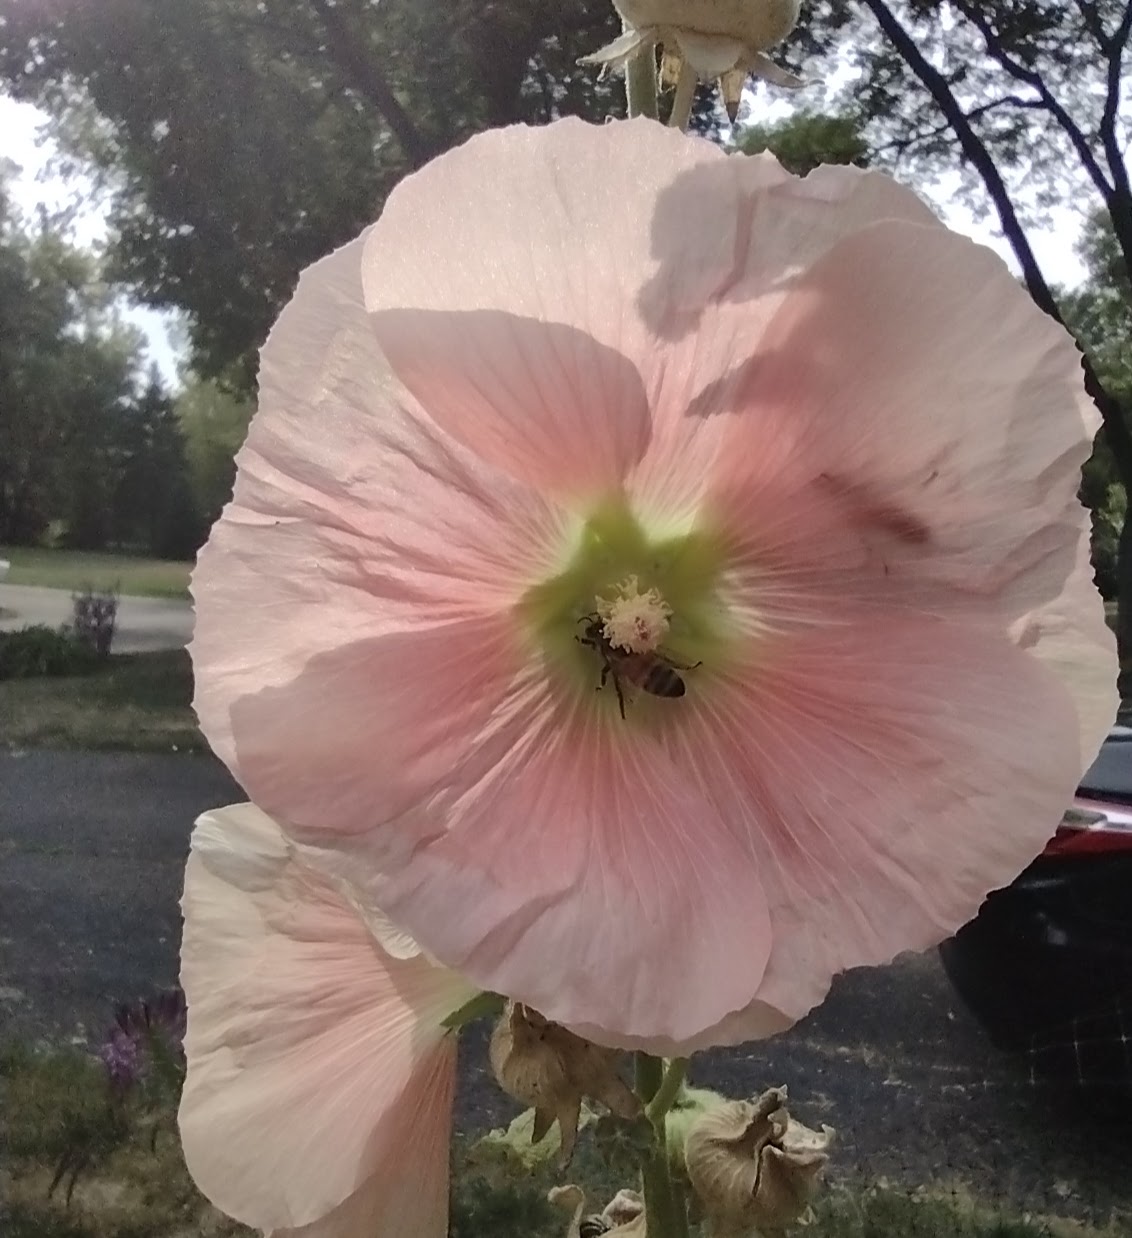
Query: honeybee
column 655, row 672
column 594, row 1226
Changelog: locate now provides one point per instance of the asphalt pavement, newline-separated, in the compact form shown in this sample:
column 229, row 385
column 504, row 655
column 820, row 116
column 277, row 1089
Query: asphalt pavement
column 92, row 848
column 144, row 625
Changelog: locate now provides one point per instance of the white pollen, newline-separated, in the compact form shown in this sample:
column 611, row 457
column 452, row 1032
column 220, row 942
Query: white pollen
column 634, row 621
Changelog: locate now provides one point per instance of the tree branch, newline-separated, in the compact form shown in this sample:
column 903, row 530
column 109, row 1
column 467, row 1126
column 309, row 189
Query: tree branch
column 1116, row 431
column 1093, row 24
column 1037, row 83
column 1114, row 50
column 345, row 47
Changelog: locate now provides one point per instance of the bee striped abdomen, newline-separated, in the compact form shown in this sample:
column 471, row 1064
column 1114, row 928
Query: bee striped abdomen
column 662, row 680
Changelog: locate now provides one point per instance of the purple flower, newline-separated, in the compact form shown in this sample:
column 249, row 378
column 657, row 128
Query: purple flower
column 140, row 1029
column 120, row 1055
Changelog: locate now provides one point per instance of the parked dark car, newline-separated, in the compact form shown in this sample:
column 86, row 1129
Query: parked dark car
column 1046, row 965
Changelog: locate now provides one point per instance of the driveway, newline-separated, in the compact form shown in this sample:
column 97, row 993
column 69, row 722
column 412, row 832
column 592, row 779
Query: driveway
column 92, row 848
column 144, row 624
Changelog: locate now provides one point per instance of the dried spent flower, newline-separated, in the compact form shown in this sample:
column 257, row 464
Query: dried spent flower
column 753, row 1167
column 623, row 1216
column 550, row 1068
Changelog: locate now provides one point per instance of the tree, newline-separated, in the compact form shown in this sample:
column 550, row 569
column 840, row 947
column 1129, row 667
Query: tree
column 213, row 422
column 1100, row 314
column 154, row 505
column 238, row 142
column 806, row 139
column 66, row 366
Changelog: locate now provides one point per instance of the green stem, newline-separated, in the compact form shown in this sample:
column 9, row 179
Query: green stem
column 475, row 1008
column 684, row 98
column 640, row 83
column 666, row 1213
column 669, row 1089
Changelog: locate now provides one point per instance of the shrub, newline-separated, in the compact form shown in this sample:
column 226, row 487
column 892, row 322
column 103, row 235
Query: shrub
column 95, row 615
column 34, row 651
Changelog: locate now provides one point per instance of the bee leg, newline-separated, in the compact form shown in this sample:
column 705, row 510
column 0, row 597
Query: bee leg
column 620, row 695
column 683, row 666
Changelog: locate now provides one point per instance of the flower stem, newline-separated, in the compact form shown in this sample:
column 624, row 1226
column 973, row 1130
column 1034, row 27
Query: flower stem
column 669, row 1089
column 665, row 1211
column 640, row 84
column 684, row 98
column 475, row 1008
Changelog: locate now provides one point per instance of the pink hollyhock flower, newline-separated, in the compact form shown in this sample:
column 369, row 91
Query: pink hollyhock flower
column 320, row 1074
column 797, row 465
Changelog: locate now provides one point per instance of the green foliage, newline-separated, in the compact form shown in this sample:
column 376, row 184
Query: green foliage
column 214, row 422
column 73, row 570
column 54, row 1103
column 82, row 447
column 58, row 1113
column 141, row 1189
column 514, row 1151
column 1100, row 315
column 503, row 1210
column 887, row 1213
column 806, row 139
column 136, row 702
column 153, row 503
column 35, row 651
column 65, row 365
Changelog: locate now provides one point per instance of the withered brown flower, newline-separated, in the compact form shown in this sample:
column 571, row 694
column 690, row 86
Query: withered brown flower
column 551, row 1069
column 752, row 1166
column 622, row 1217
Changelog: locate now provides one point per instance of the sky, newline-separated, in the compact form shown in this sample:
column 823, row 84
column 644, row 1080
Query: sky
column 20, row 141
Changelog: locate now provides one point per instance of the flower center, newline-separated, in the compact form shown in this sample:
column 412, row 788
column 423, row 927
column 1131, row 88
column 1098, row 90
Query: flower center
column 634, row 593
column 634, row 621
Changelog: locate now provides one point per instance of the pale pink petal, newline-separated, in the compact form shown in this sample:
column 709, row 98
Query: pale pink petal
column 518, row 859
column 845, row 776
column 957, row 464
column 704, row 349
column 315, row 1061
column 1071, row 637
column 865, row 415
column 541, row 401
column 522, row 282
column 889, row 783
column 409, row 1194
column 354, row 514
column 946, row 482
column 366, row 732
column 503, row 277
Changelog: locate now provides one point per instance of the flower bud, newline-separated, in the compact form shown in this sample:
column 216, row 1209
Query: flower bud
column 753, row 1166
column 549, row 1068
column 719, row 39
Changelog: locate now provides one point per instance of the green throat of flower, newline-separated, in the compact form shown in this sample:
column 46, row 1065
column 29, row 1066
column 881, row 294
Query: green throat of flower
column 626, row 602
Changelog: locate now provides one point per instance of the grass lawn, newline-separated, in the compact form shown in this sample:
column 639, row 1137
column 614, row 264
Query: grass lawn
column 133, row 1183
column 137, row 702
column 78, row 569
